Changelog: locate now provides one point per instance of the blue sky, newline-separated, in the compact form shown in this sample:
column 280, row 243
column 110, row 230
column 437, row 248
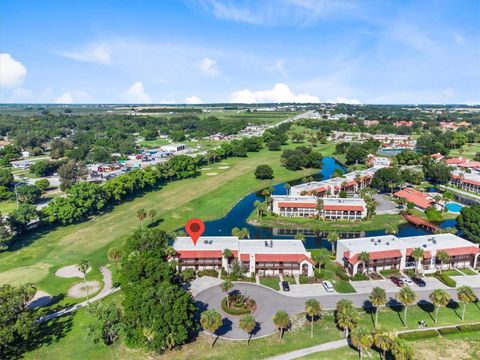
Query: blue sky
column 193, row 51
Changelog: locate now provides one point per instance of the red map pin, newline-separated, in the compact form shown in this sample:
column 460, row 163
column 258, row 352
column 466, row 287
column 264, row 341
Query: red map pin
column 195, row 228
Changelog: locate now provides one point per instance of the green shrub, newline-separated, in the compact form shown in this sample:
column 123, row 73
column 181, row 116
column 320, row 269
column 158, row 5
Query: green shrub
column 389, row 272
column 359, row 277
column 415, row 335
column 234, row 311
column 447, row 280
column 208, row 272
column 469, row 327
column 409, row 272
column 449, row 330
column 187, row 275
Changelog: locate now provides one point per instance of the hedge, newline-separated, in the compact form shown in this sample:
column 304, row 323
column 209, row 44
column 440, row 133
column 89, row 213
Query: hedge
column 231, row 311
column 447, row 280
column 469, row 327
column 359, row 277
column 208, row 272
column 415, row 335
column 449, row 330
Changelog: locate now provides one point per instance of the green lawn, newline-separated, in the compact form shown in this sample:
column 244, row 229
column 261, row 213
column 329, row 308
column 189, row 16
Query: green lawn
column 271, row 282
column 7, row 206
column 343, row 287
column 468, row 271
column 375, row 223
column 467, row 151
column 206, row 197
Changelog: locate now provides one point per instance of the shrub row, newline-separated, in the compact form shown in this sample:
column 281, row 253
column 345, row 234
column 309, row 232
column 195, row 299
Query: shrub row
column 208, row 272
column 415, row 335
column 232, row 311
column 359, row 277
column 447, row 280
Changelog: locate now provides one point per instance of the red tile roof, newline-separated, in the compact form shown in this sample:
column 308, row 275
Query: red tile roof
column 455, row 161
column 199, row 254
column 244, row 257
column 461, row 251
column 419, row 198
column 376, row 255
column 343, row 207
column 298, row 205
column 283, row 257
column 426, row 253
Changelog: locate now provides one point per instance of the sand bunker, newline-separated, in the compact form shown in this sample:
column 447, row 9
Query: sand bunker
column 80, row 290
column 41, row 298
column 206, row 168
column 212, row 174
column 224, row 167
column 70, row 271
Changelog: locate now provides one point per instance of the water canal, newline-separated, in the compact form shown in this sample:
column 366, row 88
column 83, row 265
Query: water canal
column 238, row 215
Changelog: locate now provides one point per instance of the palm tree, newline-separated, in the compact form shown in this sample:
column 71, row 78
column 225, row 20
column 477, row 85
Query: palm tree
column 319, row 206
column 417, row 254
column 152, row 213
column 83, row 266
column 170, row 341
column 392, row 229
column 402, row 350
column 281, row 321
column 442, row 256
column 347, row 318
column 248, row 324
column 258, row 208
column 384, row 339
column 226, row 286
column 378, row 298
column 287, row 187
column 300, row 236
column 114, row 256
column 332, row 237
column 141, row 215
column 244, row 233
column 211, row 321
column 361, row 339
column 439, row 298
column 313, row 309
column 321, row 257
column 407, row 297
column 467, row 296
column 364, row 258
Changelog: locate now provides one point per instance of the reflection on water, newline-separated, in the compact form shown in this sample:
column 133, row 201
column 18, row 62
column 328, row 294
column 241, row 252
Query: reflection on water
column 238, row 215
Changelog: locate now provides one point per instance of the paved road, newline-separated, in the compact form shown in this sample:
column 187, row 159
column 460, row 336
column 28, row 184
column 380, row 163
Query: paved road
column 269, row 302
column 311, row 350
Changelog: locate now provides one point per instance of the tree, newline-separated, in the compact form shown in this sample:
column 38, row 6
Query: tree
column 226, row 286
column 378, row 298
column 107, row 325
column 313, row 310
column 322, row 257
column 442, row 256
column 386, row 178
column 242, row 233
column 384, row 339
column 211, row 321
column 356, row 154
column 259, row 207
column 407, row 297
column 319, row 206
column 42, row 184
column 16, row 321
column 332, row 237
column 281, row 320
column 27, row 194
column 141, row 215
column 439, row 298
column 70, row 173
column 392, row 229
column 248, row 324
column 361, row 339
column 152, row 213
column 402, row 350
column 21, row 217
column 346, row 316
column 466, row 295
column 469, row 222
column 114, row 255
column 263, row 172
column 417, row 254
column 274, row 145
column 287, row 187
column 364, row 258
column 83, row 266
column 300, row 236
column 6, row 177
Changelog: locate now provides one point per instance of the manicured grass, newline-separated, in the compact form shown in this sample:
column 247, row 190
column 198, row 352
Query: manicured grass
column 375, row 223
column 290, row 279
column 7, row 206
column 342, row 286
column 467, row 151
column 468, row 271
column 452, row 272
column 271, row 282
column 206, row 197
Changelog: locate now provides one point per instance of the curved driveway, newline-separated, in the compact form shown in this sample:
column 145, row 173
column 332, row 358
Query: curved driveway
column 270, row 301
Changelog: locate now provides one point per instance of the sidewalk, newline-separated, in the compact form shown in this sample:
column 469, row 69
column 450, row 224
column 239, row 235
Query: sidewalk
column 311, row 350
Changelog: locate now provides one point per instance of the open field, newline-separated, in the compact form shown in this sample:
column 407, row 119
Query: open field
column 7, row 206
column 207, row 197
column 467, row 150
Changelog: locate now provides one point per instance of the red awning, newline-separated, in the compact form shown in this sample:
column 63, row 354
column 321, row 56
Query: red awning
column 199, row 254
column 282, row 257
column 342, row 207
column 468, row 250
column 297, row 205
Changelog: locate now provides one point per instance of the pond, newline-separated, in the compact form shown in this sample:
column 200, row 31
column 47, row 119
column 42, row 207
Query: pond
column 238, row 215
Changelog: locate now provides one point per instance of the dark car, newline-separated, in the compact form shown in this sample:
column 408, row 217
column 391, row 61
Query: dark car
column 420, row 282
column 397, row 281
column 285, row 286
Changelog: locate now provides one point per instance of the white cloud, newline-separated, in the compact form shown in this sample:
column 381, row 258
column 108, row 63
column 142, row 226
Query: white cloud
column 12, row 72
column 278, row 66
column 193, row 100
column 344, row 100
column 279, row 93
column 137, row 94
column 99, row 54
column 208, row 67
column 65, row 98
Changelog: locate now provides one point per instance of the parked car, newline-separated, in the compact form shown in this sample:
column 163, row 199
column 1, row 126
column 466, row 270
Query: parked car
column 397, row 281
column 328, row 286
column 419, row 281
column 407, row 281
column 285, row 286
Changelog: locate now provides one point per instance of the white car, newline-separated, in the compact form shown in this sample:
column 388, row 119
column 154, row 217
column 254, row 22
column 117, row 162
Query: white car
column 328, row 286
column 407, row 281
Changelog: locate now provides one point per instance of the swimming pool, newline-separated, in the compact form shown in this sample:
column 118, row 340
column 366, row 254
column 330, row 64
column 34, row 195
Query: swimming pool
column 453, row 207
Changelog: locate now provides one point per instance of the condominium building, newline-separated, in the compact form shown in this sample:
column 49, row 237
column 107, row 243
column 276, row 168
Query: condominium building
column 353, row 209
column 391, row 252
column 466, row 181
column 263, row 257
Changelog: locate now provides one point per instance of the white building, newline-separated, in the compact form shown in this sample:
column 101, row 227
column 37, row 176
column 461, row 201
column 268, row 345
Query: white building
column 173, row 148
column 21, row 164
column 391, row 252
column 353, row 209
column 263, row 257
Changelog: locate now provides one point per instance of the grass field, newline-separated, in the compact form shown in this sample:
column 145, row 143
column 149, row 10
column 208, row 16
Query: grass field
column 206, row 197
column 467, row 150
column 7, row 206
